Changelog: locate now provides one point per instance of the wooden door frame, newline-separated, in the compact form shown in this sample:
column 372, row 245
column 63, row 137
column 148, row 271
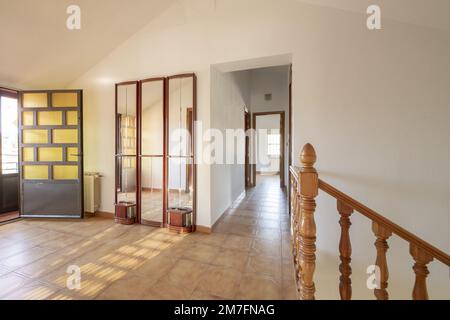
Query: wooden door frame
column 6, row 216
column 282, row 144
column 290, row 119
column 9, row 93
column 247, row 168
column 190, row 126
column 290, row 137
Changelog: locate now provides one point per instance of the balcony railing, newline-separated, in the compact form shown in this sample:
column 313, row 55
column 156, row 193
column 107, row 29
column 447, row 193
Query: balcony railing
column 305, row 186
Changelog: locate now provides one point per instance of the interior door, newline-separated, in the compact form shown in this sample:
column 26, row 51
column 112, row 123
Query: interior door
column 9, row 152
column 51, row 149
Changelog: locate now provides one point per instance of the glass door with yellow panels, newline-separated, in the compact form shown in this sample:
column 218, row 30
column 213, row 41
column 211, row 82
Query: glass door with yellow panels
column 51, row 148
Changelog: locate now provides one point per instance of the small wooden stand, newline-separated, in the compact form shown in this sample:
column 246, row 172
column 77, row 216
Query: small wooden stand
column 180, row 220
column 125, row 213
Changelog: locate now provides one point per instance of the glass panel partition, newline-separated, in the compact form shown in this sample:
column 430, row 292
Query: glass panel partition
column 126, row 143
column 181, row 167
column 155, row 168
column 152, row 151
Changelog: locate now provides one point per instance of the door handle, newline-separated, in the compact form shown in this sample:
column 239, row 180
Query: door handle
column 76, row 155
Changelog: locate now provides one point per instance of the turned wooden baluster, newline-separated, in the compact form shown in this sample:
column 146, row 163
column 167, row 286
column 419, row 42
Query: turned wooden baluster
column 422, row 258
column 345, row 250
column 294, row 223
column 382, row 235
column 293, row 195
column 309, row 183
column 297, row 238
column 294, row 209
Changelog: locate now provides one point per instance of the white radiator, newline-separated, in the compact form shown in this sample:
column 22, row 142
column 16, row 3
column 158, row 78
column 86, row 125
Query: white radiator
column 91, row 192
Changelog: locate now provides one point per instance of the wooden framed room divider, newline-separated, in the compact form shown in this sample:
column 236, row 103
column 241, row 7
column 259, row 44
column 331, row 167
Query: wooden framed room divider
column 155, row 152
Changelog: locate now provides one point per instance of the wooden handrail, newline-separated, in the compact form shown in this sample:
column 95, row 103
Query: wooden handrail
column 305, row 185
column 378, row 218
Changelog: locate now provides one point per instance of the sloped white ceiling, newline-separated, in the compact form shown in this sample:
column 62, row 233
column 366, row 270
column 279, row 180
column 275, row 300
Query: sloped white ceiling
column 38, row 51
column 425, row 13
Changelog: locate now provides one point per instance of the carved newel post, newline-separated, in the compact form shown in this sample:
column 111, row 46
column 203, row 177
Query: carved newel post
column 309, row 185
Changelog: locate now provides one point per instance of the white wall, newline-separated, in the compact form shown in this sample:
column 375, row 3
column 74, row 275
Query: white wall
column 230, row 94
column 373, row 103
column 266, row 163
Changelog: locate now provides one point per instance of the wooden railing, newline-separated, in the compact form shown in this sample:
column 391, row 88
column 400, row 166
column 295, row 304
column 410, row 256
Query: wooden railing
column 305, row 186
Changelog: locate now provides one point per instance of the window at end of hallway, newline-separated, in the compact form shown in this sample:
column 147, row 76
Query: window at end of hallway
column 273, row 143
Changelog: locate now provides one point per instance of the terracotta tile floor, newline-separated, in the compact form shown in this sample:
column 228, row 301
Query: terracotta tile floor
column 247, row 256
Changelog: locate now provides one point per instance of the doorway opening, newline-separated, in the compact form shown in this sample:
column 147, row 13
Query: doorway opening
column 239, row 91
column 9, row 155
column 269, row 142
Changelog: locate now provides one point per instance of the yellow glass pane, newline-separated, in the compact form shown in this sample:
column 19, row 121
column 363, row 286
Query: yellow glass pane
column 65, row 136
column 34, row 136
column 35, row 172
column 65, row 99
column 65, row 172
column 50, row 154
column 72, row 118
column 27, row 118
column 27, row 154
column 72, row 154
column 49, row 118
column 34, row 100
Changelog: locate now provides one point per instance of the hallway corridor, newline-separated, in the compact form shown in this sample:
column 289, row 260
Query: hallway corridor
column 258, row 223
column 248, row 256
